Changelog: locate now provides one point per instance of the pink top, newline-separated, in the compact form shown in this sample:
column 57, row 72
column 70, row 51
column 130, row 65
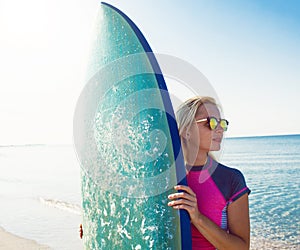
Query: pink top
column 216, row 186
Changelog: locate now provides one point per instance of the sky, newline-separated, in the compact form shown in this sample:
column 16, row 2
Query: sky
column 248, row 50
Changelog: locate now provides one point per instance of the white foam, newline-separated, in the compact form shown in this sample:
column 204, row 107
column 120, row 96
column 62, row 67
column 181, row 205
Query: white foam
column 63, row 205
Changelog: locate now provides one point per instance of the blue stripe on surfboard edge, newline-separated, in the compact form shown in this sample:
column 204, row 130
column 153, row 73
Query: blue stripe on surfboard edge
column 185, row 226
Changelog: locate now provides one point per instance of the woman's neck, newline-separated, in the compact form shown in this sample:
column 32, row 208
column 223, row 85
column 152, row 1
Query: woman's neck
column 200, row 160
column 194, row 156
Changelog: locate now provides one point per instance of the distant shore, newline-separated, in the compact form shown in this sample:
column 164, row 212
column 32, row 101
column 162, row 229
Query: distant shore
column 10, row 241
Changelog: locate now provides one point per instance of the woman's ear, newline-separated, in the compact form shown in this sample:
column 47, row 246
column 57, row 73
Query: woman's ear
column 186, row 134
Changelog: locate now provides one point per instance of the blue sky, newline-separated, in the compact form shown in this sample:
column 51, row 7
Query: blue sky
column 248, row 50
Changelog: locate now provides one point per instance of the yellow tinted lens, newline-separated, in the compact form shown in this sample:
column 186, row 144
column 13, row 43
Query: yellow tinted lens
column 223, row 124
column 213, row 123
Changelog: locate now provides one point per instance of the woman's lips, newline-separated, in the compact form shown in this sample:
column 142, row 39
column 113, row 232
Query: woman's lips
column 217, row 139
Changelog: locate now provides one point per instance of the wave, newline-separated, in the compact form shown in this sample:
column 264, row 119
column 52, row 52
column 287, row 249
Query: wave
column 10, row 180
column 63, row 205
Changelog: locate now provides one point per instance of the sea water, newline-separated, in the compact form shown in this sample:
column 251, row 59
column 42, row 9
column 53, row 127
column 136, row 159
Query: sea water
column 40, row 191
column 40, row 194
column 271, row 166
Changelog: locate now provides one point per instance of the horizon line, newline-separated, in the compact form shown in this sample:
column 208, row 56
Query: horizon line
column 70, row 144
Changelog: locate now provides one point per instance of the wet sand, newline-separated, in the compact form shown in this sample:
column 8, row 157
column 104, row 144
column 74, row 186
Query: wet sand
column 10, row 241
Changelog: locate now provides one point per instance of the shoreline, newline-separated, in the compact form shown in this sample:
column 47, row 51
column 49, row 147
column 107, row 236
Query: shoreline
column 9, row 241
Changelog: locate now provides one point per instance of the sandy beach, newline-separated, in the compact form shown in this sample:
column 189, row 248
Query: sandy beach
column 10, row 241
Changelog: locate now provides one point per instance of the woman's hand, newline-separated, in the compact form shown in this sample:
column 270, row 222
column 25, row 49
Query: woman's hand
column 80, row 231
column 185, row 200
column 238, row 220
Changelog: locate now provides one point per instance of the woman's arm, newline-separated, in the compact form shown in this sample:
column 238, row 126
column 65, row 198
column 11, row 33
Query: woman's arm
column 238, row 220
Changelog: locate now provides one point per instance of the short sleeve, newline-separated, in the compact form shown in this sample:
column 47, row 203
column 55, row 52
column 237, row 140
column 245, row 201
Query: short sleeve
column 238, row 185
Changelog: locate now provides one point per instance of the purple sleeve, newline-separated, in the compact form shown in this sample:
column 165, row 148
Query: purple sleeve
column 238, row 186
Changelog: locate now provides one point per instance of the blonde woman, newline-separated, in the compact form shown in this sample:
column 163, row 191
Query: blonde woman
column 216, row 197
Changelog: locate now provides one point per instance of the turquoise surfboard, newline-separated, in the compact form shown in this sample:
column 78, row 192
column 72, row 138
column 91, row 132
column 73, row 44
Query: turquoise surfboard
column 127, row 142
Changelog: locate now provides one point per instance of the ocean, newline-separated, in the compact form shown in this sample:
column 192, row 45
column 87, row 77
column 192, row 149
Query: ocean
column 40, row 191
column 271, row 166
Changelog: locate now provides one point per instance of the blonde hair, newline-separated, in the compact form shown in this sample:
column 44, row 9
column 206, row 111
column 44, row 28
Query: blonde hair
column 186, row 112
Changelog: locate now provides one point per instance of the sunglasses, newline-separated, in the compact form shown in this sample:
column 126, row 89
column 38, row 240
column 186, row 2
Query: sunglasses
column 213, row 123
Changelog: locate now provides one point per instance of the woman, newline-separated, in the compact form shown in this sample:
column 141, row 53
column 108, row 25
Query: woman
column 217, row 196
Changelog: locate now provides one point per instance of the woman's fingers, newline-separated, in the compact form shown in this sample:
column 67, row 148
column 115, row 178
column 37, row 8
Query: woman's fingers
column 190, row 207
column 186, row 189
column 80, row 231
column 182, row 195
column 185, row 199
column 181, row 202
column 187, row 194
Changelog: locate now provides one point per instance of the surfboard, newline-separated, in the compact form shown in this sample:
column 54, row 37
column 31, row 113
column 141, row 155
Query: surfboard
column 127, row 143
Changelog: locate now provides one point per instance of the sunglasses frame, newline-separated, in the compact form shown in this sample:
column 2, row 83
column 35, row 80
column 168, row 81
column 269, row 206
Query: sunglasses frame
column 208, row 119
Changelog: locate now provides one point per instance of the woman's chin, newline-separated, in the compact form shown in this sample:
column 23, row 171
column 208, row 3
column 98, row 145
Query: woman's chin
column 215, row 147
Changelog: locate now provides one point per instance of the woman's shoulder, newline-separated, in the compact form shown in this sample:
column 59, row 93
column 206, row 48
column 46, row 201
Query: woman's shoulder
column 230, row 170
column 226, row 170
column 230, row 181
